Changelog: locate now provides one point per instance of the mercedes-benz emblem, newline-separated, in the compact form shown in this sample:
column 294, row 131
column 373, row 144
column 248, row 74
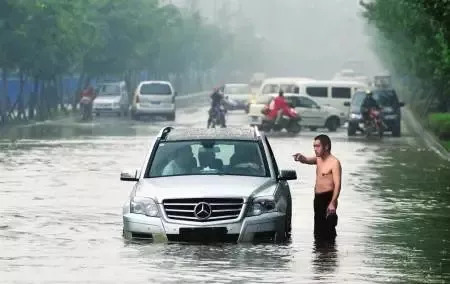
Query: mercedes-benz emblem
column 202, row 210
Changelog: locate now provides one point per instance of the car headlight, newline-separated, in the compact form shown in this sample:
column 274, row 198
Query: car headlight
column 262, row 205
column 145, row 206
column 355, row 116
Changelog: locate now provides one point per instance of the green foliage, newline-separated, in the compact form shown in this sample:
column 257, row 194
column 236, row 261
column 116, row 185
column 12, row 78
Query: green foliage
column 414, row 41
column 440, row 124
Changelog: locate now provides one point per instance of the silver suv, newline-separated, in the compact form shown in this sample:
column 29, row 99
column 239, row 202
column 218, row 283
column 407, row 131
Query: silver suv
column 209, row 185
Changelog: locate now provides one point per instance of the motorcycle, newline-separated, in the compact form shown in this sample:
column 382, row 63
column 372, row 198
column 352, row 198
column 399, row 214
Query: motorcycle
column 289, row 122
column 374, row 123
column 217, row 117
column 86, row 108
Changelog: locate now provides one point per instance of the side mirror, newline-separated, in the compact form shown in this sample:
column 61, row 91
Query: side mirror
column 347, row 104
column 287, row 175
column 130, row 175
column 317, row 107
column 175, row 93
column 401, row 104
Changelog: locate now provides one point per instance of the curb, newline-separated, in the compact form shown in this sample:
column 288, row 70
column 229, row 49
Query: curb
column 430, row 139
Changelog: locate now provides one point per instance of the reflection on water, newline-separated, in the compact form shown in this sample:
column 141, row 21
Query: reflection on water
column 325, row 258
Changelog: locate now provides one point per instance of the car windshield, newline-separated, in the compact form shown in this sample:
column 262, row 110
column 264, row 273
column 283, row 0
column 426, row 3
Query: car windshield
column 109, row 90
column 208, row 157
column 241, row 89
column 155, row 89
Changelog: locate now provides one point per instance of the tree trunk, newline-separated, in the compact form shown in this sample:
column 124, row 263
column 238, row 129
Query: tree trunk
column 20, row 99
column 3, row 98
column 34, row 99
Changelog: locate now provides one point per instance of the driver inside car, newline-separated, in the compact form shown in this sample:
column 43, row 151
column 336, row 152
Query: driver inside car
column 245, row 159
column 181, row 162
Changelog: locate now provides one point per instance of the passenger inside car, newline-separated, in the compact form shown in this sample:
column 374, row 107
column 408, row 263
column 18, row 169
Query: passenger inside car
column 245, row 158
column 181, row 163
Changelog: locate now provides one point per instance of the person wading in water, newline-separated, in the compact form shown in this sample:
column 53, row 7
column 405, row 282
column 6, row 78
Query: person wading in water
column 327, row 188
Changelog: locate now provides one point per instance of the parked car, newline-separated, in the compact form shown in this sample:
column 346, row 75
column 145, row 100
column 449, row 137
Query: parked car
column 237, row 95
column 154, row 98
column 391, row 111
column 312, row 114
column 220, row 184
column 112, row 97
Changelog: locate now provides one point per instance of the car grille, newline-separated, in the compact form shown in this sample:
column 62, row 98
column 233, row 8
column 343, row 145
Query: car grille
column 188, row 209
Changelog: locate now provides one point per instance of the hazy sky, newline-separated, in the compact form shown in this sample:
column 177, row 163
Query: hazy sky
column 304, row 37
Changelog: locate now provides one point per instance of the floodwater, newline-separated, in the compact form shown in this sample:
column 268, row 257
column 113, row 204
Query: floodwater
column 61, row 201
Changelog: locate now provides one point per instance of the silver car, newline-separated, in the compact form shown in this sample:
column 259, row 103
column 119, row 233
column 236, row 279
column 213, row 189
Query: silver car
column 112, row 97
column 209, row 185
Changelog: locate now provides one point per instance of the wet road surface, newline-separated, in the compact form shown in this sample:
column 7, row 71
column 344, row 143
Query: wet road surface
column 61, row 202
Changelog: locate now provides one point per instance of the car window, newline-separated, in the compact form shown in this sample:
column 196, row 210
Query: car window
column 155, row 89
column 319, row 92
column 270, row 89
column 209, row 157
column 237, row 89
column 306, row 103
column 341, row 92
column 109, row 90
column 290, row 88
column 386, row 98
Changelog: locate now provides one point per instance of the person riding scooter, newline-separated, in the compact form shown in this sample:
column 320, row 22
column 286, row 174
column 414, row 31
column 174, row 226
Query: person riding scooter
column 279, row 107
column 87, row 98
column 368, row 103
column 217, row 105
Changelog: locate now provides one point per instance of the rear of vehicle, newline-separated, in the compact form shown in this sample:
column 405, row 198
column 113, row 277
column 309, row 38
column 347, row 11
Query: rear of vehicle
column 390, row 108
column 154, row 98
column 111, row 98
column 238, row 95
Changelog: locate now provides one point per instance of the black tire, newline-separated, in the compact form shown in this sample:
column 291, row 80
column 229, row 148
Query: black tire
column 351, row 129
column 135, row 116
column 294, row 127
column 332, row 124
column 396, row 130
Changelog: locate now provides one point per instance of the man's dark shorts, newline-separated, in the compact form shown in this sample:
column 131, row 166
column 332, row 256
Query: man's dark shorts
column 324, row 226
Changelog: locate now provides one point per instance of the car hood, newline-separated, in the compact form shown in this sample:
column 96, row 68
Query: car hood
column 107, row 99
column 204, row 186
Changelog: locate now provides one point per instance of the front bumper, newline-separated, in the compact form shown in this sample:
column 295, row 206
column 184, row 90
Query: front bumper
column 245, row 229
column 106, row 108
column 149, row 108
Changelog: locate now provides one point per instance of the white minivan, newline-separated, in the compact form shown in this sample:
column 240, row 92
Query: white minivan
column 328, row 93
column 154, row 98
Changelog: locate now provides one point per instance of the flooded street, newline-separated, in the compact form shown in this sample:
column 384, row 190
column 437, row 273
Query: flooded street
column 61, row 211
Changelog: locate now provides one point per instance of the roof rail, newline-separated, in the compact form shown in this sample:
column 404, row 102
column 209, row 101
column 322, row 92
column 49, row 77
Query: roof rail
column 165, row 131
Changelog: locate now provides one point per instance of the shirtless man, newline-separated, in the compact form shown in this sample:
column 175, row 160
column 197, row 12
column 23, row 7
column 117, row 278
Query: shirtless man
column 327, row 188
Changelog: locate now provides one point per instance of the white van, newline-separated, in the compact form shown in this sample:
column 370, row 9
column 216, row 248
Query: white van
column 154, row 98
column 328, row 93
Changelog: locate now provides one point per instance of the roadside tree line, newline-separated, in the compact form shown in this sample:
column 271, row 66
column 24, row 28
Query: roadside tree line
column 44, row 40
column 414, row 42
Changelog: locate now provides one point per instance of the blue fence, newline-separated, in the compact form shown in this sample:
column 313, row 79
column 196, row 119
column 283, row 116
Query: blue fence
column 69, row 88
